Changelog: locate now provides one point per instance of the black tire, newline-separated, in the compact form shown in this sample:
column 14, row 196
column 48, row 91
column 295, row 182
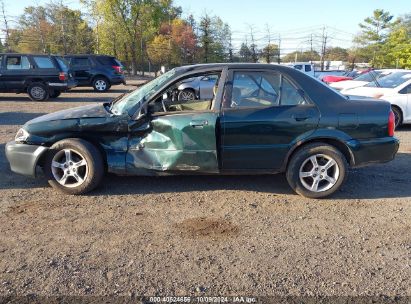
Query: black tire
column 398, row 116
column 93, row 171
column 101, row 84
column 183, row 93
column 38, row 91
column 322, row 153
column 54, row 94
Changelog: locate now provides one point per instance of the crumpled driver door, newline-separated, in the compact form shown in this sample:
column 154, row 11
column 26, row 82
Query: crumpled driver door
column 175, row 142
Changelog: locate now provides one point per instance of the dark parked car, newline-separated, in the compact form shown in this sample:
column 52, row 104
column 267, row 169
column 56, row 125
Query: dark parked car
column 97, row 71
column 262, row 119
column 40, row 76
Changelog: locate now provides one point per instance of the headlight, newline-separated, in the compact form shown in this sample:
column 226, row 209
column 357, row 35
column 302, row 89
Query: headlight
column 21, row 135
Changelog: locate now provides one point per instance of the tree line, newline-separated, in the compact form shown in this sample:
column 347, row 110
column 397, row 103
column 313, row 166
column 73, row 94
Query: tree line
column 145, row 34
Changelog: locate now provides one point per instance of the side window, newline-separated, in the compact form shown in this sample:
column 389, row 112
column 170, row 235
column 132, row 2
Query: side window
column 43, row 62
column 290, row 95
column 80, row 62
column 17, row 63
column 406, row 90
column 298, row 67
column 193, row 93
column 308, row 68
column 254, row 89
column 261, row 89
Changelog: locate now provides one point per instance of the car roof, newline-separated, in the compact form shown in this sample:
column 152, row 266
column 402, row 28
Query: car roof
column 25, row 54
column 86, row 55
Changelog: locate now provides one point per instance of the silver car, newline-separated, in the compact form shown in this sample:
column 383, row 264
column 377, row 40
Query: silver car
column 197, row 88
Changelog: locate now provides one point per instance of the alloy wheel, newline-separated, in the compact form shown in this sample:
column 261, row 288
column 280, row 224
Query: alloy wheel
column 186, row 95
column 319, row 173
column 69, row 168
column 100, row 85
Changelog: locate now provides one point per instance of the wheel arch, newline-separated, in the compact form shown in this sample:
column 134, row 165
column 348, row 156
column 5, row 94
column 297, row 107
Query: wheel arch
column 336, row 143
column 101, row 76
column 94, row 142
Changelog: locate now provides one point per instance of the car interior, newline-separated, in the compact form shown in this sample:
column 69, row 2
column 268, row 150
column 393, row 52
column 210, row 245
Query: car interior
column 168, row 101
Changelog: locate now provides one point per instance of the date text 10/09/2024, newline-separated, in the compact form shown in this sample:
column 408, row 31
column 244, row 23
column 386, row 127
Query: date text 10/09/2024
column 234, row 299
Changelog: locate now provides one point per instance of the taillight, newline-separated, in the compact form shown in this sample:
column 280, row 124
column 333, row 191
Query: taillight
column 391, row 124
column 62, row 76
column 118, row 69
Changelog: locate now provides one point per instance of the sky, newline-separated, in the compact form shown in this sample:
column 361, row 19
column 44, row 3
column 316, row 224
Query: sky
column 292, row 20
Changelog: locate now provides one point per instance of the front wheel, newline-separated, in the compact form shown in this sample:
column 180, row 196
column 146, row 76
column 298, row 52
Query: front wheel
column 317, row 170
column 74, row 166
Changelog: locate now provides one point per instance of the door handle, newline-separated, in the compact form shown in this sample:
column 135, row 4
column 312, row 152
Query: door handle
column 301, row 117
column 198, row 123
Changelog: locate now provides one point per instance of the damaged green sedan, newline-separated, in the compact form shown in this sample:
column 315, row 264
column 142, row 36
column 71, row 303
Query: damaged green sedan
column 261, row 119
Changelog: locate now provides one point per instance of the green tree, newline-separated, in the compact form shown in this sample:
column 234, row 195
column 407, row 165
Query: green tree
column 301, row 56
column 336, row 53
column 270, row 53
column 374, row 31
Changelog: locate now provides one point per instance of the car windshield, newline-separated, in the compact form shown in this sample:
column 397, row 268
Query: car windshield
column 369, row 76
column 124, row 105
column 391, row 81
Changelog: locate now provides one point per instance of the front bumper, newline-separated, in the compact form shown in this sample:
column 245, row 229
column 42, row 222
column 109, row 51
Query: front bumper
column 378, row 150
column 23, row 158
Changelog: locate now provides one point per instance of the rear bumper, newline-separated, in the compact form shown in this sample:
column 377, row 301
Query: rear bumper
column 63, row 86
column 379, row 150
column 118, row 80
column 23, row 158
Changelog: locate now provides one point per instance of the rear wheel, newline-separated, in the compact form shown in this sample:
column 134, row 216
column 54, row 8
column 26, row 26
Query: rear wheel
column 74, row 166
column 37, row 91
column 317, row 170
column 101, row 84
column 398, row 116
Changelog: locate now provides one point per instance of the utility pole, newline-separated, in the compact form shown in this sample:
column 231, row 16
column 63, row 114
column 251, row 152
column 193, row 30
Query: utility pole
column 268, row 48
column 6, row 44
column 323, row 48
column 254, row 57
column 279, row 49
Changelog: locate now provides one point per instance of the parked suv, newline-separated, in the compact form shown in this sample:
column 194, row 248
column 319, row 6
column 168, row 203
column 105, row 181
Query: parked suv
column 98, row 71
column 40, row 76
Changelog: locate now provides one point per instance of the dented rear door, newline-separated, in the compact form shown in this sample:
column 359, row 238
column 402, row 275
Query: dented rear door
column 175, row 142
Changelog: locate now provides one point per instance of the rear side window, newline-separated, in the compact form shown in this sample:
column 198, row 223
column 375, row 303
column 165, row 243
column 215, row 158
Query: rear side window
column 80, row 61
column 289, row 94
column 105, row 60
column 308, row 68
column 44, row 62
column 17, row 63
column 62, row 63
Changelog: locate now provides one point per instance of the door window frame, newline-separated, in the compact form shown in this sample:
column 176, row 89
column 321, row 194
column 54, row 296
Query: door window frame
column 215, row 106
column 228, row 89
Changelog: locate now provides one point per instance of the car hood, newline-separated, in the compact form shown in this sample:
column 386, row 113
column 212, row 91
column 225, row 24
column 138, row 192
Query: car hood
column 88, row 111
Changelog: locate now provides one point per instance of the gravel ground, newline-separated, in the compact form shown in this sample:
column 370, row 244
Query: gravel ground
column 212, row 235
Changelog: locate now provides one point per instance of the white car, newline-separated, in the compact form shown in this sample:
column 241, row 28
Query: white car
column 363, row 79
column 394, row 88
